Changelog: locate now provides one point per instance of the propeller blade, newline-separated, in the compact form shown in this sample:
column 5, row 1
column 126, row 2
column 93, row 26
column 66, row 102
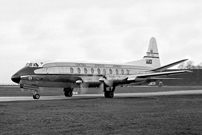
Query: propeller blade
column 100, row 89
column 43, row 89
column 22, row 89
column 83, row 88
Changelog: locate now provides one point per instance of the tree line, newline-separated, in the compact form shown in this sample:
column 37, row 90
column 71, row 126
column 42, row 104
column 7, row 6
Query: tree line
column 190, row 65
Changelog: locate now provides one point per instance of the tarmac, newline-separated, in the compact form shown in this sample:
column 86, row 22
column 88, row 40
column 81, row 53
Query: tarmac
column 84, row 96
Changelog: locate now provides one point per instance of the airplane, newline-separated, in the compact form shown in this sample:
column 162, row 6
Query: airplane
column 70, row 75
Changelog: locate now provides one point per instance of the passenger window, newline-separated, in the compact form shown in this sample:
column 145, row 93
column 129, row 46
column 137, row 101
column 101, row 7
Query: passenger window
column 71, row 70
column 85, row 70
column 79, row 70
column 122, row 71
column 110, row 71
column 98, row 71
column 117, row 71
column 104, row 71
column 92, row 70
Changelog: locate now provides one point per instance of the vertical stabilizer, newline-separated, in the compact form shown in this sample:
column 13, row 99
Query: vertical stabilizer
column 152, row 54
column 151, row 59
column 152, row 49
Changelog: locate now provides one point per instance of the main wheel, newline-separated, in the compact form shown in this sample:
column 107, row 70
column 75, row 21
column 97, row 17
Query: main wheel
column 109, row 94
column 36, row 96
column 68, row 93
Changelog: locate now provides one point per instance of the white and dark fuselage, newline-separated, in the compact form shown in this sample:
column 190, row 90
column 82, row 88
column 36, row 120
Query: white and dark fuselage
column 64, row 74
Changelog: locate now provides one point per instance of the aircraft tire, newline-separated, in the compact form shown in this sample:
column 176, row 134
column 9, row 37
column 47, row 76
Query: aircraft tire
column 109, row 94
column 36, row 96
column 68, row 93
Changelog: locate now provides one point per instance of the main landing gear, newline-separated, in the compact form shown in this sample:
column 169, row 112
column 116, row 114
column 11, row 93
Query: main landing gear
column 109, row 92
column 68, row 92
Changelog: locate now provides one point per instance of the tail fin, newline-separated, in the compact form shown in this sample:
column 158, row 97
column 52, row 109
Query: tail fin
column 151, row 59
column 152, row 55
column 152, row 49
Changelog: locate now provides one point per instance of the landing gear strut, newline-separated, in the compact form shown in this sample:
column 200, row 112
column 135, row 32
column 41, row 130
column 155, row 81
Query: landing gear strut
column 68, row 92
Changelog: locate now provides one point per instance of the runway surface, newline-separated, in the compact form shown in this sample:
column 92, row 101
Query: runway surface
column 117, row 95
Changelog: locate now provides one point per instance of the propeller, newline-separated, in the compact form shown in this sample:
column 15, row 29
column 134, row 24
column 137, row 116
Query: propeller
column 103, row 81
column 109, row 82
column 83, row 88
column 101, row 88
column 22, row 87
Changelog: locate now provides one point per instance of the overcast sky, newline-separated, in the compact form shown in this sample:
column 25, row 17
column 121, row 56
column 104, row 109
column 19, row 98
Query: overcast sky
column 97, row 30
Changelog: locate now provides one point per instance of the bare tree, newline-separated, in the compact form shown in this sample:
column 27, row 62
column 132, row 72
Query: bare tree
column 199, row 66
column 189, row 65
column 182, row 66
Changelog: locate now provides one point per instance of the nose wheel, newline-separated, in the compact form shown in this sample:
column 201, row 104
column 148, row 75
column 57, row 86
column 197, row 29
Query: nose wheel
column 36, row 96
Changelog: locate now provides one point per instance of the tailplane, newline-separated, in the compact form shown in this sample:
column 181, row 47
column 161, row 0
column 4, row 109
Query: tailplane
column 151, row 59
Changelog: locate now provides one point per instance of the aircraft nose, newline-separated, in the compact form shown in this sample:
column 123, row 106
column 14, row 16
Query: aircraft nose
column 15, row 78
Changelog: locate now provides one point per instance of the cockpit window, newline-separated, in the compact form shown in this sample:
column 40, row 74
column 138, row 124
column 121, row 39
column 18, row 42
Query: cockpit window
column 36, row 65
column 32, row 65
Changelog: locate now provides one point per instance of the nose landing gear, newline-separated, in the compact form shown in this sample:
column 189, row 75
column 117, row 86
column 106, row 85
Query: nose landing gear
column 36, row 95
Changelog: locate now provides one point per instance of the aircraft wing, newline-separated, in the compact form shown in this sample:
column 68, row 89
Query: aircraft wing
column 153, row 74
column 160, row 69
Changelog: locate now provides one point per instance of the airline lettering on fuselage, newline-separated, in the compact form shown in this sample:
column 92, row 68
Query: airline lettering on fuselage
column 80, row 64
column 99, row 65
column 117, row 66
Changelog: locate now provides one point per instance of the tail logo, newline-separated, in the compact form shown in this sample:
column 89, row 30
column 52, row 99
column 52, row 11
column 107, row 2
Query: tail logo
column 148, row 61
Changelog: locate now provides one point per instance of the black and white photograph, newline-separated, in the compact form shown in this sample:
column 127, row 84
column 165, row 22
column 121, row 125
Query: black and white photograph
column 100, row 67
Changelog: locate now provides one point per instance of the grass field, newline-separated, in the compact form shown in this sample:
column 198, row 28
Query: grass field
column 158, row 115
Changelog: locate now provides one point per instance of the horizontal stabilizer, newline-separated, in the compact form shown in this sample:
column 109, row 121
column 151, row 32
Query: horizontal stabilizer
column 149, row 75
column 165, row 78
column 160, row 69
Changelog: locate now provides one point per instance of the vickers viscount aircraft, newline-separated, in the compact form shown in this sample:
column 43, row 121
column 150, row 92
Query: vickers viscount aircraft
column 70, row 75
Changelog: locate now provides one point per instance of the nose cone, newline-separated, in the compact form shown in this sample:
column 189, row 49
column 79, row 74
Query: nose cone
column 15, row 78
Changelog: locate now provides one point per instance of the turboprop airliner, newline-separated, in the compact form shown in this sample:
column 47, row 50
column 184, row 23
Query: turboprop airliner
column 70, row 75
